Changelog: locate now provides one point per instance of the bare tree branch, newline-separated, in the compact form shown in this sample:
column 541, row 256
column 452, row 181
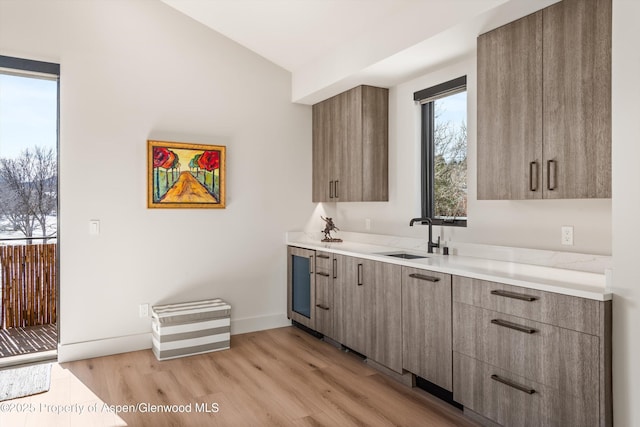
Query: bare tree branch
column 450, row 164
column 28, row 190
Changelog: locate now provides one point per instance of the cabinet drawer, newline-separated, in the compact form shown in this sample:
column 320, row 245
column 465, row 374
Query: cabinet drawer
column 560, row 358
column 579, row 314
column 324, row 307
column 323, row 262
column 512, row 400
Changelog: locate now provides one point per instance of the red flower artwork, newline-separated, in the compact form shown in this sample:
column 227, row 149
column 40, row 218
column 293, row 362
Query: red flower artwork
column 210, row 160
column 160, row 156
column 169, row 163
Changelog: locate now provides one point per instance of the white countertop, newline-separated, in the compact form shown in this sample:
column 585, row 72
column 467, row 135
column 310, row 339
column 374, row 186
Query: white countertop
column 564, row 281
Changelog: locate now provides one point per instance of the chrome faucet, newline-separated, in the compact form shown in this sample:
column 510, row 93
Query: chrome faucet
column 428, row 221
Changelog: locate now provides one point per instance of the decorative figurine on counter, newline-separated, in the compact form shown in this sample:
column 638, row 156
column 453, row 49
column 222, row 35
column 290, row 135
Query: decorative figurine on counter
column 328, row 228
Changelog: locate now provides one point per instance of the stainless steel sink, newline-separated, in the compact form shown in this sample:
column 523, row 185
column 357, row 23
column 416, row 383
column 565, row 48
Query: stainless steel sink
column 405, row 255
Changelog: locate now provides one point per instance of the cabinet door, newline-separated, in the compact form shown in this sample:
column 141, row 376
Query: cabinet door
column 383, row 308
column 577, row 99
column 350, row 323
column 510, row 111
column 348, row 119
column 426, row 325
column 339, row 294
column 375, row 144
column 301, row 285
column 322, row 151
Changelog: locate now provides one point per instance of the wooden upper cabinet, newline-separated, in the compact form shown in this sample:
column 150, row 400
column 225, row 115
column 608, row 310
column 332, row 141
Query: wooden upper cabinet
column 350, row 146
column 577, row 99
column 510, row 111
column 544, row 105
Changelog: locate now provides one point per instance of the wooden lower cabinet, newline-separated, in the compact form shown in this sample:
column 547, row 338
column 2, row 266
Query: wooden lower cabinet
column 512, row 355
column 350, row 305
column 426, row 325
column 383, row 313
column 369, row 309
column 524, row 357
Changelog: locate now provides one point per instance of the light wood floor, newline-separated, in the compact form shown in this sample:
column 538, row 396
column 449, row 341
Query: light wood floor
column 279, row 377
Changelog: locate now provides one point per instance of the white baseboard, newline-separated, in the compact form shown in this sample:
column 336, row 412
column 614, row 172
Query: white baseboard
column 108, row 346
column 103, row 347
column 260, row 323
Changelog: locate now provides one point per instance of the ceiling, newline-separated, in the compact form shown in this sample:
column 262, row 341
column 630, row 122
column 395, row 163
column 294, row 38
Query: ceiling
column 332, row 45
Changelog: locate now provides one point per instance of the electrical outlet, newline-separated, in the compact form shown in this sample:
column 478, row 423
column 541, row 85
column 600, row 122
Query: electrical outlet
column 367, row 224
column 144, row 310
column 567, row 235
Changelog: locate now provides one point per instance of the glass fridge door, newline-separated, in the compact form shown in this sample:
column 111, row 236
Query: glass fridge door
column 301, row 289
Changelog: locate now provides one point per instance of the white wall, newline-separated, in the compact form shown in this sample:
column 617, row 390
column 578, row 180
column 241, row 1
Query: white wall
column 626, row 212
column 530, row 224
column 138, row 70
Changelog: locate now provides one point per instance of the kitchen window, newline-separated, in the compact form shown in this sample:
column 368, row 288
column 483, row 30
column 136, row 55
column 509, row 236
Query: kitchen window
column 444, row 152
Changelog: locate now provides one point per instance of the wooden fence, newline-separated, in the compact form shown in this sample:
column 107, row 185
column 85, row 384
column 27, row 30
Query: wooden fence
column 28, row 275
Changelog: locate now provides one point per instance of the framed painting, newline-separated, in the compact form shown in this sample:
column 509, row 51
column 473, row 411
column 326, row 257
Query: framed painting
column 182, row 175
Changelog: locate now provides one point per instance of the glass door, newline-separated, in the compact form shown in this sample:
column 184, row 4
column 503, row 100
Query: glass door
column 301, row 285
column 28, row 210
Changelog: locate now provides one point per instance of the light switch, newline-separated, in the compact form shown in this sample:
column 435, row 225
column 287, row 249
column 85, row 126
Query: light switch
column 94, row 227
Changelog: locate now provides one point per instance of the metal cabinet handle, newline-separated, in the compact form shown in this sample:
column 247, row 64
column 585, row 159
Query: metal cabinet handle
column 335, row 189
column 322, row 256
column 424, row 277
column 551, row 164
column 513, row 326
column 513, row 295
column 512, row 384
column 359, row 274
column 533, row 183
column 331, row 189
column 311, row 264
column 322, row 306
column 319, row 273
column 335, row 268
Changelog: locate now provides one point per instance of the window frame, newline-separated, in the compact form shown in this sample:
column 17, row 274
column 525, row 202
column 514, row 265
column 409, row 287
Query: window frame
column 29, row 67
column 48, row 71
column 425, row 98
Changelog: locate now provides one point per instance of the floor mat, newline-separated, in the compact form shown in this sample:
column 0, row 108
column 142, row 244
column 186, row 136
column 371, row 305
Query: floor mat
column 24, row 381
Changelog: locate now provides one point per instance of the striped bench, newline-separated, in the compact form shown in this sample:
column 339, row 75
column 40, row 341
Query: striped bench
column 190, row 328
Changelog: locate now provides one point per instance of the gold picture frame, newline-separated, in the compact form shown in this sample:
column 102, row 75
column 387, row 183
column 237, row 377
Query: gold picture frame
column 185, row 175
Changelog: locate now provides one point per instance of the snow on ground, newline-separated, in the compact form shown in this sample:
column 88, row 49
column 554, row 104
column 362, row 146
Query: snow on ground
column 52, row 223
